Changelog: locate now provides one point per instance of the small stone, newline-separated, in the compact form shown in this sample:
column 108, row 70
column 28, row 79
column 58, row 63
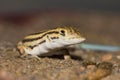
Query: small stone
column 91, row 67
column 118, row 57
column 106, row 57
column 82, row 68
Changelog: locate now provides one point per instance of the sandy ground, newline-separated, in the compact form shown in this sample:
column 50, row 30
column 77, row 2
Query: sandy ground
column 95, row 65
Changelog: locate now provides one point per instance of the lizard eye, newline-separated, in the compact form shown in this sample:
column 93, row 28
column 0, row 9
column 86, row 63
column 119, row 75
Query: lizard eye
column 62, row 32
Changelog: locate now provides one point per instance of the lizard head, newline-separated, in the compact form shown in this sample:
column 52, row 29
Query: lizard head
column 69, row 35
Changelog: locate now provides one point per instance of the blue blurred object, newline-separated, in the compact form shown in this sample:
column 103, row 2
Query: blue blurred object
column 97, row 47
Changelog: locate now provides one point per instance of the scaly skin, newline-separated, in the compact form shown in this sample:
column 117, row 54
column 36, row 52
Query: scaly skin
column 47, row 41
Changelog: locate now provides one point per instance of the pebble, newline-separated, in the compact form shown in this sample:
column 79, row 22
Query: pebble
column 91, row 67
column 82, row 68
column 4, row 75
column 107, row 57
column 118, row 57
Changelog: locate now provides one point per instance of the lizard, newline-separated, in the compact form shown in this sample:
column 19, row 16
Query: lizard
column 44, row 42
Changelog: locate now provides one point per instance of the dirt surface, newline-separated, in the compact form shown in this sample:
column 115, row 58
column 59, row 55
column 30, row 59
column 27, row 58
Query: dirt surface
column 95, row 65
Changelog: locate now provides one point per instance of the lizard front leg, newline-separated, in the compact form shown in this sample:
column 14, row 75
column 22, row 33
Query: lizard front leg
column 67, row 55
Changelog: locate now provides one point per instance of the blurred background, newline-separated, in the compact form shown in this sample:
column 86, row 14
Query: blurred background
column 97, row 20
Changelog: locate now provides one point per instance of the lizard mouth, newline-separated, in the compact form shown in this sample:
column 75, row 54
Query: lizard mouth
column 83, row 39
column 78, row 38
column 75, row 40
